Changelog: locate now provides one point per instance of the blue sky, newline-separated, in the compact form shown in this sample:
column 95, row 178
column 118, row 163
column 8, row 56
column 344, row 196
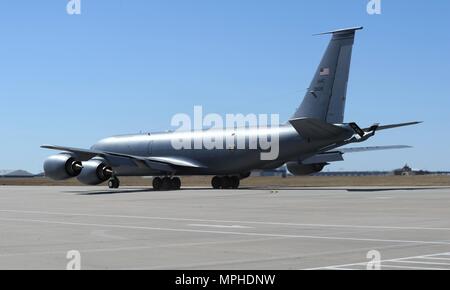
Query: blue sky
column 129, row 66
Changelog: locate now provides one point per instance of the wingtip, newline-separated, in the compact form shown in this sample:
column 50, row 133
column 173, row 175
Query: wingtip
column 48, row 146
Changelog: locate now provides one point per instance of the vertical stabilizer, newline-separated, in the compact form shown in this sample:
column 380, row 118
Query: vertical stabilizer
column 325, row 98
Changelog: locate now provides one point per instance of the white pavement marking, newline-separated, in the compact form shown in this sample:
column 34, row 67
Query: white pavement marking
column 419, row 262
column 227, row 221
column 407, row 260
column 413, row 268
column 194, row 244
column 227, row 232
column 434, row 258
column 258, row 261
column 219, row 226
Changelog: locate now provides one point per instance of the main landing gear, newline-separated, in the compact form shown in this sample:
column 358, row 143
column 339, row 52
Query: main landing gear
column 166, row 183
column 113, row 182
column 225, row 182
column 174, row 183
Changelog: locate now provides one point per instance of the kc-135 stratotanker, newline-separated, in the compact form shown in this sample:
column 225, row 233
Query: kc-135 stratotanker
column 310, row 139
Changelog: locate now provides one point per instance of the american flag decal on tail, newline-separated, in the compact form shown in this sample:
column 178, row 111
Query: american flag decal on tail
column 324, row 71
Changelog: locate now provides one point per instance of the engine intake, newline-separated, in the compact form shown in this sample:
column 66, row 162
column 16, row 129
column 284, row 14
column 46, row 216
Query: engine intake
column 62, row 166
column 95, row 171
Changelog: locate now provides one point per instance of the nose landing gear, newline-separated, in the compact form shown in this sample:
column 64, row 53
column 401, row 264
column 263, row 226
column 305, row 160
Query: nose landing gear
column 225, row 182
column 113, row 182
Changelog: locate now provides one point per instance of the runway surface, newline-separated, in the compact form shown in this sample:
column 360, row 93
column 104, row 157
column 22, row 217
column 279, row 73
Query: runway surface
column 200, row 228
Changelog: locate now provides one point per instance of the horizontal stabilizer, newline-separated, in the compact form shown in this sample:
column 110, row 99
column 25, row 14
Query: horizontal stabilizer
column 385, row 127
column 336, row 155
column 341, row 31
column 324, row 158
column 372, row 148
column 316, row 129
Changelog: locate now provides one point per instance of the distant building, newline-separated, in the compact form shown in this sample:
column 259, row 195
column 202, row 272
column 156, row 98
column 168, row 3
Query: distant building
column 404, row 171
column 408, row 171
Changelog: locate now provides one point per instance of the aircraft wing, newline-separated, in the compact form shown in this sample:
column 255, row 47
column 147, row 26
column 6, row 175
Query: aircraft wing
column 83, row 154
column 157, row 163
column 336, row 154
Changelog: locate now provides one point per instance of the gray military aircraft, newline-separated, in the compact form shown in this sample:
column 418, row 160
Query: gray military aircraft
column 307, row 142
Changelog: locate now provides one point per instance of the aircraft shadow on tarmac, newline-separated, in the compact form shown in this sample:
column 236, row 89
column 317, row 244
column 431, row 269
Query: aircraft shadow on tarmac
column 137, row 190
column 129, row 190
column 394, row 189
column 374, row 189
column 362, row 189
column 116, row 191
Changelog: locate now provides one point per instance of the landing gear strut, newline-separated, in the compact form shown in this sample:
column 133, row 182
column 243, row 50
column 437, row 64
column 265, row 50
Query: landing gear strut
column 113, row 182
column 225, row 182
column 166, row 183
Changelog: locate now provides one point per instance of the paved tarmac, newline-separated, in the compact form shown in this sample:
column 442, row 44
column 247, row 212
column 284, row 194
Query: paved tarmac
column 200, row 228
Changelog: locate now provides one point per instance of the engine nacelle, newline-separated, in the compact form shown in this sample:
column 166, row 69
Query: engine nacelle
column 304, row 169
column 95, row 171
column 62, row 166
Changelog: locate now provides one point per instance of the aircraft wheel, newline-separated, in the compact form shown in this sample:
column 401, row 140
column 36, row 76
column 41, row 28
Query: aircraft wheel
column 157, row 182
column 176, row 183
column 114, row 183
column 216, row 182
column 166, row 183
column 226, row 182
column 234, row 181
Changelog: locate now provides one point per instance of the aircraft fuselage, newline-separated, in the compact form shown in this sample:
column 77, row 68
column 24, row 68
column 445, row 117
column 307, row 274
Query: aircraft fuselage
column 229, row 158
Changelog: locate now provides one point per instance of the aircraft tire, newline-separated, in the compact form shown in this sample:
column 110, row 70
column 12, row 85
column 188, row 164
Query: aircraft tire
column 226, row 182
column 166, row 183
column 157, row 182
column 234, row 182
column 175, row 183
column 216, row 182
column 114, row 183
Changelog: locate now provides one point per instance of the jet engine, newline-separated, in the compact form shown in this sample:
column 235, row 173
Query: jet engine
column 62, row 166
column 304, row 169
column 95, row 171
